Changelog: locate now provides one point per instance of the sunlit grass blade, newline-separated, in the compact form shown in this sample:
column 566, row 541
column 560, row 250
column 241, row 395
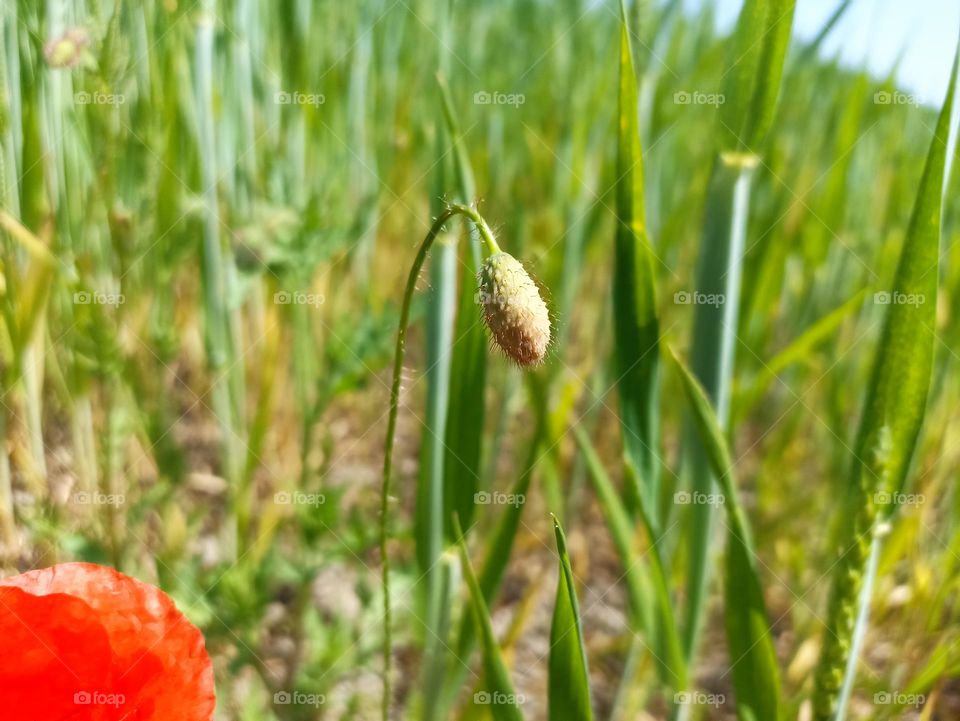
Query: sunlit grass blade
column 650, row 605
column 464, row 432
column 752, row 87
column 796, row 352
column 503, row 697
column 500, row 544
column 621, row 532
column 713, row 353
column 810, row 49
column 568, row 679
column 749, row 641
column 35, row 285
column 753, row 76
column 431, row 516
column 636, row 327
column 892, row 417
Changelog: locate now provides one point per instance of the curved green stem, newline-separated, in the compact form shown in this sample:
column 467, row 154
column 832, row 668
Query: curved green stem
column 485, row 233
column 487, row 236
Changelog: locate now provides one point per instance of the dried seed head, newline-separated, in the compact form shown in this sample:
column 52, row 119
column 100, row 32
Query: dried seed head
column 513, row 309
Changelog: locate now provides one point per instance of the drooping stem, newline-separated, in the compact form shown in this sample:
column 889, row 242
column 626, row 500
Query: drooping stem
column 487, row 236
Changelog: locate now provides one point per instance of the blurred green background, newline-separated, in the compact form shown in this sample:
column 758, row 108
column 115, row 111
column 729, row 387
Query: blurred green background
column 208, row 212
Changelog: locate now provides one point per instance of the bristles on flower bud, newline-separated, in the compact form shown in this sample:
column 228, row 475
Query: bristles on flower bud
column 513, row 309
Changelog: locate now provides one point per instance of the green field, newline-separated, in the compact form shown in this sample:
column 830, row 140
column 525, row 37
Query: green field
column 724, row 489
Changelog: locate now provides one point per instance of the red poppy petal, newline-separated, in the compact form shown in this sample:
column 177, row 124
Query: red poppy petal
column 54, row 648
column 159, row 662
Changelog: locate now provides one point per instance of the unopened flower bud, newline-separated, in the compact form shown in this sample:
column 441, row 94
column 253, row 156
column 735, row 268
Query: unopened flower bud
column 513, row 309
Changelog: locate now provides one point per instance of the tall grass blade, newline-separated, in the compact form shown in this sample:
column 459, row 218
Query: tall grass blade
column 892, row 417
column 464, row 432
column 756, row 66
column 749, row 641
column 811, row 49
column 621, row 532
column 501, row 541
column 650, row 605
column 498, row 684
column 568, row 679
column 636, row 327
column 714, row 340
column 431, row 504
column 752, row 87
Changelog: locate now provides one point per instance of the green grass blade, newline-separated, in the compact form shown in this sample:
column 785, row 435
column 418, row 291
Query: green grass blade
column 435, row 665
column 759, row 46
column 441, row 302
column 502, row 541
column 499, row 687
column 636, row 327
column 749, row 642
column 892, row 417
column 500, row 544
column 897, row 394
column 753, row 78
column 651, row 607
column 464, row 432
column 568, row 681
column 430, row 518
column 714, row 341
column 621, row 531
column 811, row 49
column 798, row 350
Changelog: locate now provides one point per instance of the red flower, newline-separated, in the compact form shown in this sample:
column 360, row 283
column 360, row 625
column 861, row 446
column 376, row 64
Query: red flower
column 81, row 642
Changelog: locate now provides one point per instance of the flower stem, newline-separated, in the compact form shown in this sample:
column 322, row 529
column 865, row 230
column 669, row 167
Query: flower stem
column 487, row 236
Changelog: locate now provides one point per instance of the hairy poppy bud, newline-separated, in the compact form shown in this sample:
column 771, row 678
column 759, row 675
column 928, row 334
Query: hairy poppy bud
column 513, row 309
